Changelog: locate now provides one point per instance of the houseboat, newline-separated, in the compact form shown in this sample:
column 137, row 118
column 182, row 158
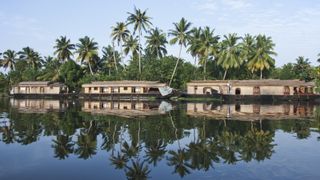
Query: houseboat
column 252, row 112
column 37, row 89
column 125, row 90
column 269, row 89
column 127, row 109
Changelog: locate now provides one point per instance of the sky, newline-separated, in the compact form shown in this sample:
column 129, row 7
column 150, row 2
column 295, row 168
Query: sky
column 294, row 25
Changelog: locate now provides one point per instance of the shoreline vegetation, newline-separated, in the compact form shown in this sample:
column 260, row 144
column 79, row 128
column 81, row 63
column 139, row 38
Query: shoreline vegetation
column 138, row 51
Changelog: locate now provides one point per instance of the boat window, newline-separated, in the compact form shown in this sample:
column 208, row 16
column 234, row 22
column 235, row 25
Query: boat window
column 286, row 90
column 256, row 90
column 95, row 88
column 125, row 88
column 238, row 91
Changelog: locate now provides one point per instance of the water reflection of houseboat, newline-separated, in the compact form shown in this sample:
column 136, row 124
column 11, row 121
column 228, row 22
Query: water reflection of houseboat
column 38, row 105
column 251, row 112
column 126, row 109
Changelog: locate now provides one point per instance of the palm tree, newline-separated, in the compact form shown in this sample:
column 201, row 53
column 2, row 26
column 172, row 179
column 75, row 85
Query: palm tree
column 140, row 21
column 119, row 34
column 207, row 47
column 132, row 45
column 229, row 56
column 87, row 51
column 31, row 57
column 180, row 35
column 248, row 47
column 63, row 48
column 262, row 59
column 194, row 41
column 110, row 58
column 9, row 59
column 156, row 42
column 51, row 71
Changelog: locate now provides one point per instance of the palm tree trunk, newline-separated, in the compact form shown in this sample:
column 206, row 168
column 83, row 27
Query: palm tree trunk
column 139, row 53
column 114, row 57
column 205, row 69
column 260, row 74
column 121, row 52
column 225, row 74
column 175, row 68
column 90, row 68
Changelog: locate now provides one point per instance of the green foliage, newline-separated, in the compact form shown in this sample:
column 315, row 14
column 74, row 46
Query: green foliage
column 70, row 74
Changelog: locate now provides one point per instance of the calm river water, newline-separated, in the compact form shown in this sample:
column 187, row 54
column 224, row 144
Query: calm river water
column 52, row 139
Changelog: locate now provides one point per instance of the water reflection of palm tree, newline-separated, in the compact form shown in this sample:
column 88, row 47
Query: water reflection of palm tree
column 228, row 145
column 201, row 156
column 87, row 146
column 130, row 150
column 179, row 160
column 155, row 152
column 256, row 145
column 119, row 161
column 8, row 135
column 62, row 146
column 137, row 170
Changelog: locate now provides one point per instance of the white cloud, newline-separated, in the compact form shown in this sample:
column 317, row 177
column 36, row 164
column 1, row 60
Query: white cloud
column 210, row 6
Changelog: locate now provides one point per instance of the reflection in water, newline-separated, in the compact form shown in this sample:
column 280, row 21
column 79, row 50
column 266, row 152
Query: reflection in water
column 38, row 105
column 251, row 112
column 126, row 109
column 138, row 148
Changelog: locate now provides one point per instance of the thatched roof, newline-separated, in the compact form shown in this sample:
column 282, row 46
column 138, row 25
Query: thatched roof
column 264, row 82
column 124, row 84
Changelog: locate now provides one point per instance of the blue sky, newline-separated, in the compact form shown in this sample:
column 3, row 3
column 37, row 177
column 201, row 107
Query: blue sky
column 293, row 24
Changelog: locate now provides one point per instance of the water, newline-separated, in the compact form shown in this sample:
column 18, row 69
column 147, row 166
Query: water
column 51, row 139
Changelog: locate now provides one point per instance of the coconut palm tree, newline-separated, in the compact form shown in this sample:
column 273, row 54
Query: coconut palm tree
column 194, row 41
column 156, row 42
column 262, row 59
column 180, row 35
column 140, row 22
column 51, row 71
column 31, row 57
column 9, row 59
column 132, row 45
column 110, row 58
column 229, row 56
column 207, row 47
column 63, row 49
column 248, row 47
column 87, row 51
column 119, row 34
